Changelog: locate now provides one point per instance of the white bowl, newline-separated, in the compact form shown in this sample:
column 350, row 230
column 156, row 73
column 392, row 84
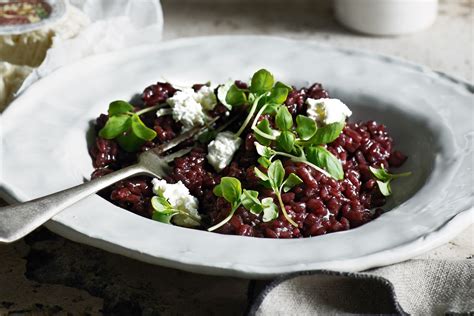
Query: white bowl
column 386, row 17
column 45, row 134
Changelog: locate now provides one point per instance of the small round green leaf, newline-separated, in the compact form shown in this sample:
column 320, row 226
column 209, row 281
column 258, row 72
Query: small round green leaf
column 235, row 96
column 231, row 189
column 129, row 142
column 264, row 126
column 264, row 162
column 327, row 133
column 270, row 210
column 115, row 126
column 119, row 107
column 217, row 190
column 286, row 141
column 262, row 81
column 276, row 174
column 278, row 95
column 141, row 130
column 305, row 127
column 283, row 119
column 322, row 158
column 290, row 182
column 264, row 151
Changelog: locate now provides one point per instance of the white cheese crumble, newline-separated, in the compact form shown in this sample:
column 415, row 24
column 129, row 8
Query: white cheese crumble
column 206, row 97
column 222, row 93
column 179, row 197
column 327, row 111
column 186, row 109
column 222, row 149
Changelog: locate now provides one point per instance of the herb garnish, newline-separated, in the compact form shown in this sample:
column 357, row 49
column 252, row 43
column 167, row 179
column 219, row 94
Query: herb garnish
column 384, row 178
column 275, row 178
column 126, row 126
column 230, row 189
column 292, row 142
column 163, row 211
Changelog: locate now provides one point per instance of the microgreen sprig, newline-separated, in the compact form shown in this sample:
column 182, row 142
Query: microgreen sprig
column 127, row 127
column 230, row 189
column 163, row 211
column 275, row 178
column 327, row 164
column 262, row 93
column 384, row 178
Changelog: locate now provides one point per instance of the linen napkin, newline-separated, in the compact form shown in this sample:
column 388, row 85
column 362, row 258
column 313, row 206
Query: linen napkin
column 114, row 24
column 416, row 287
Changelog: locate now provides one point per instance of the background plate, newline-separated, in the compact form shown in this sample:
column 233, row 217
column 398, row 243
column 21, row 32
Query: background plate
column 429, row 115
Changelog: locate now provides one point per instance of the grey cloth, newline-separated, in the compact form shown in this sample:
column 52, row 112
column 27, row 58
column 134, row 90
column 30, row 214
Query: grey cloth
column 416, row 287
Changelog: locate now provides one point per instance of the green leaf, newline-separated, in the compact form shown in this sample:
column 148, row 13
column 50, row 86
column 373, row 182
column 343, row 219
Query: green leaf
column 286, row 141
column 262, row 81
column 305, row 127
column 283, row 119
column 264, row 162
column 115, row 126
column 384, row 187
column 383, row 175
column 163, row 217
column 235, row 96
column 264, row 151
column 276, row 174
column 218, row 191
column 264, row 126
column 251, row 202
column 322, row 158
column 270, row 210
column 163, row 212
column 271, row 109
column 327, row 133
column 262, row 176
column 119, row 107
column 278, row 95
column 380, row 174
column 207, row 136
column 384, row 178
column 290, row 182
column 141, row 130
column 231, row 189
column 280, row 84
column 129, row 142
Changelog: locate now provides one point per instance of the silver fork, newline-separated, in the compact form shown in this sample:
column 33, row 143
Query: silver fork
column 16, row 221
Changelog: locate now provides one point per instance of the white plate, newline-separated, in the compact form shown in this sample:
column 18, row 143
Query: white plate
column 428, row 114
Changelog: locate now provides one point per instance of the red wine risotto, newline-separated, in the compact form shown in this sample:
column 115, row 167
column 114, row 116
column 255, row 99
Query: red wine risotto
column 279, row 162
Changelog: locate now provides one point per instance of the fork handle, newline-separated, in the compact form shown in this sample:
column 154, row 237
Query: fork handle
column 18, row 220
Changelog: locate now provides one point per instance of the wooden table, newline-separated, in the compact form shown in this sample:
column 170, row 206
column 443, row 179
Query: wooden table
column 47, row 274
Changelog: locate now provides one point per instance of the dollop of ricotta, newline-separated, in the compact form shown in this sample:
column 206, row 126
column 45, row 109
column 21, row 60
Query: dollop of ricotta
column 206, row 97
column 222, row 149
column 222, row 93
column 186, row 109
column 179, row 197
column 327, row 111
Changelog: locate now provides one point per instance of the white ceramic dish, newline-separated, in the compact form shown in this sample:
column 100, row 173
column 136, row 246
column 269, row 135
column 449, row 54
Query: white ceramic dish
column 386, row 17
column 428, row 114
column 58, row 10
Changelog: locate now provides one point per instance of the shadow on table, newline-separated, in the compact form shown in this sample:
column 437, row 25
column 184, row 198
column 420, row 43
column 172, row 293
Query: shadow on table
column 130, row 287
